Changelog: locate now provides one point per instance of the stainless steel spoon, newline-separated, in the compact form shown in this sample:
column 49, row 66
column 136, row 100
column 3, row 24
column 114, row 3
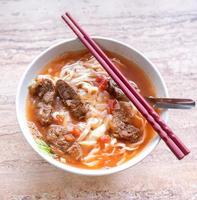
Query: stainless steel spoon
column 171, row 103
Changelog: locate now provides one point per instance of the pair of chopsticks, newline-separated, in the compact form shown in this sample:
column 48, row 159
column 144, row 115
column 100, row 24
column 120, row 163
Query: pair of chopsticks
column 167, row 135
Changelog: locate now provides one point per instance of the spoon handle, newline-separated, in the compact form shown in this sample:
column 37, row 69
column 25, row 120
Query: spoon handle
column 171, row 103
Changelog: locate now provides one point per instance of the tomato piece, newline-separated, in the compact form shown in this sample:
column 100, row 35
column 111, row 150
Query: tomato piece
column 99, row 79
column 102, row 82
column 59, row 119
column 69, row 138
column 105, row 139
column 76, row 132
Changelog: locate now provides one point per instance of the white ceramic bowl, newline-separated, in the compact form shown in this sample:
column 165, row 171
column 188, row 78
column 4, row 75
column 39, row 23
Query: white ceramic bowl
column 75, row 45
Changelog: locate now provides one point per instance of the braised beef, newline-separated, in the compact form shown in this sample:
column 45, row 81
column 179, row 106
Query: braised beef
column 58, row 104
column 121, row 122
column 121, row 126
column 56, row 136
column 71, row 99
column 75, row 151
column 34, row 130
column 43, row 113
column 116, row 92
column 63, row 141
column 43, row 89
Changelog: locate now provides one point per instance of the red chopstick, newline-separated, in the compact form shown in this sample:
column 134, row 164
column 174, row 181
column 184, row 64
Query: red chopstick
column 146, row 110
column 157, row 118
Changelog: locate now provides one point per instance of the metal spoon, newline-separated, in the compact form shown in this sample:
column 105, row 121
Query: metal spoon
column 171, row 103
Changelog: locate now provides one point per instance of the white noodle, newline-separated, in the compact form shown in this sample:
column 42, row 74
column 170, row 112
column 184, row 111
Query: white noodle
column 88, row 87
column 91, row 154
column 124, row 147
column 110, row 154
column 84, row 77
column 81, row 126
column 93, row 151
column 84, row 133
column 95, row 122
column 113, row 141
column 122, row 160
column 91, row 164
column 98, row 132
column 88, row 143
column 67, row 69
column 89, row 157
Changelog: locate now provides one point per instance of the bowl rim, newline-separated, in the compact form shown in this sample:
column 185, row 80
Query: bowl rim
column 75, row 170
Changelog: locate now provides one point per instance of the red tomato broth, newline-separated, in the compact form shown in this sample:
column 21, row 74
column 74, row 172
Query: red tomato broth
column 131, row 71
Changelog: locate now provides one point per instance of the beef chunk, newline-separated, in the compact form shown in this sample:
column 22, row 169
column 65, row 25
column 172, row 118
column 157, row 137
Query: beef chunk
column 116, row 92
column 126, row 131
column 58, row 104
column 75, row 151
column 121, row 126
column 71, row 99
column 43, row 113
column 57, row 135
column 62, row 141
column 43, row 89
column 34, row 130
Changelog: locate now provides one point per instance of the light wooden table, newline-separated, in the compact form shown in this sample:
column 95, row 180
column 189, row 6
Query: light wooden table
column 165, row 31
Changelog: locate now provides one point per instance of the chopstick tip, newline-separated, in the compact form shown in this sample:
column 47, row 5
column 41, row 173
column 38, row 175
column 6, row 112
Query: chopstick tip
column 181, row 157
column 63, row 17
column 67, row 13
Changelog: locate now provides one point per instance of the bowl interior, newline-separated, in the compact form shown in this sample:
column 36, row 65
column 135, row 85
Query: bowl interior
column 75, row 45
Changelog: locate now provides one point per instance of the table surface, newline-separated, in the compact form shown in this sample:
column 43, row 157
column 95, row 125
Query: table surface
column 165, row 31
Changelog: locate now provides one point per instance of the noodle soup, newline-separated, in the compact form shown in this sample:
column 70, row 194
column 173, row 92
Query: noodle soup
column 78, row 115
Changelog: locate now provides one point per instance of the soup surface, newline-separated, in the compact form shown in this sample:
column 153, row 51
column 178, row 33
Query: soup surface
column 78, row 115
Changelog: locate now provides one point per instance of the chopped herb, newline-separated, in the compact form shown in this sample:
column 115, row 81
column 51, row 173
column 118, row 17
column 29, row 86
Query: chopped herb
column 43, row 146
